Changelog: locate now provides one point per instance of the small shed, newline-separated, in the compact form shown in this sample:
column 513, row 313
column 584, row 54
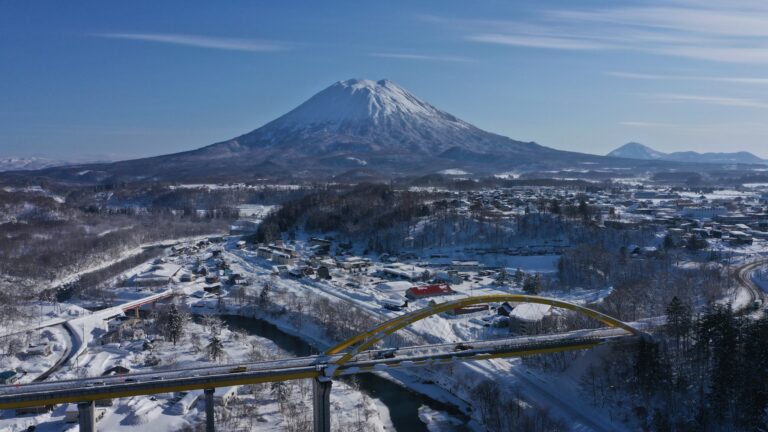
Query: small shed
column 224, row 395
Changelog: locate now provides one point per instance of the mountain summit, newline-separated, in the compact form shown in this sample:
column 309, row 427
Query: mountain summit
column 360, row 100
column 635, row 150
column 368, row 117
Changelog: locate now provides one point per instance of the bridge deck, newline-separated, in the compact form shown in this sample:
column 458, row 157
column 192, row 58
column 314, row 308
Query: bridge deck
column 78, row 390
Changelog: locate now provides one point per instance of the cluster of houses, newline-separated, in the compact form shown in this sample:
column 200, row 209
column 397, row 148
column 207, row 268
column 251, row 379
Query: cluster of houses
column 123, row 328
column 278, row 253
column 737, row 221
column 737, row 218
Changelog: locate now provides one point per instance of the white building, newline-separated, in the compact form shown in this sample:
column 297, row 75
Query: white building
column 224, row 395
column 526, row 317
column 158, row 274
column 406, row 271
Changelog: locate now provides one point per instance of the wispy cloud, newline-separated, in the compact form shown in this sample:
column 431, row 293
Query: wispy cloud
column 645, row 124
column 729, row 128
column 426, row 57
column 222, row 43
column 538, row 41
column 733, row 31
column 711, row 100
column 661, row 77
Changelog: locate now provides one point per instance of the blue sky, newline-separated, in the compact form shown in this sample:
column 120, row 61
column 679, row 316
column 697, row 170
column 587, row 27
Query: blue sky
column 119, row 80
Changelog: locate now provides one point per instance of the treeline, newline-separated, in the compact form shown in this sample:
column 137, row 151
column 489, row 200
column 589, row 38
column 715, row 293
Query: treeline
column 706, row 372
column 337, row 320
column 387, row 220
column 464, row 184
column 48, row 250
column 46, row 237
column 364, row 208
column 641, row 286
column 175, row 196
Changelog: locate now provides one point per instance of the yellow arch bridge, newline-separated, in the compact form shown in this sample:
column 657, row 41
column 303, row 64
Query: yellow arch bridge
column 353, row 356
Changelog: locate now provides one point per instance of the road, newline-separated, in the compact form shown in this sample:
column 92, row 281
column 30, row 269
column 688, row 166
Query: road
column 756, row 294
column 41, row 393
column 65, row 357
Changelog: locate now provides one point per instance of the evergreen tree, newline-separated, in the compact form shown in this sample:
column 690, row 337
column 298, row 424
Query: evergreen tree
column 519, row 275
column 532, row 285
column 669, row 243
column 678, row 321
column 554, row 207
column 264, row 294
column 174, row 326
column 584, row 209
column 503, row 277
column 753, row 389
column 215, row 349
column 661, row 422
column 718, row 340
column 650, row 370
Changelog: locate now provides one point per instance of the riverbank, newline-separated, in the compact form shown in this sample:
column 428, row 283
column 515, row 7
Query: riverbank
column 402, row 403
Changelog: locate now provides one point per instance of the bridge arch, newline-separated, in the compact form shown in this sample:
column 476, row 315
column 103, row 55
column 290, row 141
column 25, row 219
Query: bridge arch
column 367, row 339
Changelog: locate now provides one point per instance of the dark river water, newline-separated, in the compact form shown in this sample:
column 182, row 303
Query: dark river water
column 403, row 404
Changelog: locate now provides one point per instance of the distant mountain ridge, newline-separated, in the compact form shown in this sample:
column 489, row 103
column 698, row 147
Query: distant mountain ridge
column 28, row 163
column 353, row 128
column 639, row 151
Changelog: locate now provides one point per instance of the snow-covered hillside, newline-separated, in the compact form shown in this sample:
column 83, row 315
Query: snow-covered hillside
column 365, row 116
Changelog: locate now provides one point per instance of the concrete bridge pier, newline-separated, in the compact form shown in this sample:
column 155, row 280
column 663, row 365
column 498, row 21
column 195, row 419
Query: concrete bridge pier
column 321, row 404
column 210, row 425
column 86, row 416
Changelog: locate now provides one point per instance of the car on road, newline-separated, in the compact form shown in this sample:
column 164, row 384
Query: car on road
column 385, row 354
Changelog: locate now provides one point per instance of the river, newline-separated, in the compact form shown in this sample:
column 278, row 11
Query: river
column 403, row 404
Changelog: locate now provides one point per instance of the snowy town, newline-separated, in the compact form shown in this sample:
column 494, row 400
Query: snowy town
column 229, row 299
column 434, row 216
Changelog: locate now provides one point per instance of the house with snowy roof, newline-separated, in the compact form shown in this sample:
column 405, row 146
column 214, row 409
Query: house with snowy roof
column 525, row 318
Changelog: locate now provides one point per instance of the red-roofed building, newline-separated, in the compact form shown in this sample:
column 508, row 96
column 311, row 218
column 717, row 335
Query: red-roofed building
column 425, row 291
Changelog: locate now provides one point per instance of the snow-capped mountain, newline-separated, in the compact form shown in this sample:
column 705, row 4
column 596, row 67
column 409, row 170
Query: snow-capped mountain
column 639, row 151
column 27, row 163
column 368, row 117
column 354, row 129
column 635, row 150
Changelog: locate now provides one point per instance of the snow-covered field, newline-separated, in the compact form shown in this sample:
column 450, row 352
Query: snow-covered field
column 255, row 211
